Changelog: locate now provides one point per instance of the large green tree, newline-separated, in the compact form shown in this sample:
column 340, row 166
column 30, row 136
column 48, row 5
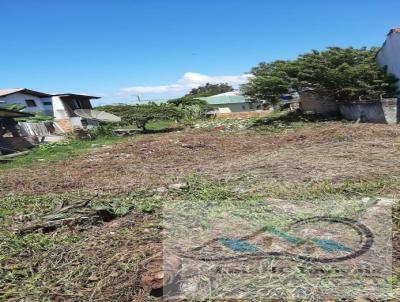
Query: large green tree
column 270, row 81
column 347, row 74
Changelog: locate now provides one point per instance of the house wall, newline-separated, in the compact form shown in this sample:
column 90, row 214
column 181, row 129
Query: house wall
column 58, row 108
column 237, row 107
column 315, row 103
column 389, row 55
column 63, row 111
column 19, row 98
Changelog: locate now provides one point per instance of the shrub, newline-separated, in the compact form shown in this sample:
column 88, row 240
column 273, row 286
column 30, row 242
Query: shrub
column 141, row 114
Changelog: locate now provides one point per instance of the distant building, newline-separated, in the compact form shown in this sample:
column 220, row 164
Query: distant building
column 232, row 101
column 60, row 106
column 118, row 104
column 34, row 101
column 389, row 54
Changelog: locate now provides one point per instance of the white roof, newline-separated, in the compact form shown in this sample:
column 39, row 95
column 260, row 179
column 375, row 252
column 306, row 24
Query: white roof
column 229, row 93
column 9, row 91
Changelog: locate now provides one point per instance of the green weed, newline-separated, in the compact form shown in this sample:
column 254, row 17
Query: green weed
column 59, row 151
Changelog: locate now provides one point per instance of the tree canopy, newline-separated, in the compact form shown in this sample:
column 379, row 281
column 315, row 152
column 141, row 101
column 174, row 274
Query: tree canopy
column 345, row 73
column 210, row 89
column 141, row 114
column 202, row 91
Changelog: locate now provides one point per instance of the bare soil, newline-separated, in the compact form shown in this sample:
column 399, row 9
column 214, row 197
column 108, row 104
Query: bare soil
column 330, row 152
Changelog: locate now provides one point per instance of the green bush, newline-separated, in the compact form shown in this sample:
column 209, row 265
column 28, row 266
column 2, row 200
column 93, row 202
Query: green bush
column 105, row 130
column 141, row 114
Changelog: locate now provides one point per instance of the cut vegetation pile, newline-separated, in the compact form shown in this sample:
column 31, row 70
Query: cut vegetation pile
column 83, row 228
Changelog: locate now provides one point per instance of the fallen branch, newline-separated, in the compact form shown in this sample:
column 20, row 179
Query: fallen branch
column 12, row 155
column 51, row 225
column 75, row 205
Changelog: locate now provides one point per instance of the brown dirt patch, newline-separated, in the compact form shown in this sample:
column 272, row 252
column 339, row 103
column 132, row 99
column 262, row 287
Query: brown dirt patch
column 330, row 152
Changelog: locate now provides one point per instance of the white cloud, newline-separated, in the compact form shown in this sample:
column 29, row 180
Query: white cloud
column 188, row 81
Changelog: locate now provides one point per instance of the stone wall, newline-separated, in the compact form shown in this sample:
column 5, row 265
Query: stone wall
column 311, row 101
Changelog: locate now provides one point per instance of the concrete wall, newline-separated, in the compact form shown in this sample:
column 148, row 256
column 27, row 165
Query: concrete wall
column 62, row 108
column 311, row 101
column 20, row 99
column 385, row 111
column 238, row 107
column 389, row 55
column 58, row 108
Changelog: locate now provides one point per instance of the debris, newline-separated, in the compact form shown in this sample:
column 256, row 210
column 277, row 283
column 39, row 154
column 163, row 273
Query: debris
column 12, row 155
column 106, row 214
column 219, row 128
column 194, row 146
column 61, row 217
column 159, row 272
column 178, row 186
column 49, row 226
column 161, row 190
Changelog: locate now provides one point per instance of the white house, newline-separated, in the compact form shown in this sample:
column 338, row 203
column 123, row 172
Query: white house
column 389, row 54
column 60, row 106
column 34, row 101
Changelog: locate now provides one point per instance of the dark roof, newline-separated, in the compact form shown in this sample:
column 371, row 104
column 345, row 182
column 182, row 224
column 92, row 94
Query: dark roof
column 13, row 113
column 77, row 95
column 5, row 92
column 394, row 30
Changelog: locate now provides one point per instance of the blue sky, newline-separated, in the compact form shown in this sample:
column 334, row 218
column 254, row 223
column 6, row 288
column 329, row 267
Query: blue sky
column 161, row 48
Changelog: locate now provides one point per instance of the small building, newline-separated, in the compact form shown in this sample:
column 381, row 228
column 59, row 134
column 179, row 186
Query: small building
column 33, row 101
column 232, row 101
column 10, row 138
column 313, row 102
column 60, row 106
column 388, row 55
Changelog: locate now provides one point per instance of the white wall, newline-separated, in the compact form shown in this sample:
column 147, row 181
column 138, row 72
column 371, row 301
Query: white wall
column 238, row 107
column 389, row 55
column 19, row 98
column 58, row 108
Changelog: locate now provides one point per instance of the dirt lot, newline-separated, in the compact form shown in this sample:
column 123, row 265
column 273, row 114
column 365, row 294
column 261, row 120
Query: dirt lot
column 330, row 152
column 105, row 260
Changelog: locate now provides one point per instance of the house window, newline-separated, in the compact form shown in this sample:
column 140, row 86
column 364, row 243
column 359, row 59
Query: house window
column 30, row 103
column 47, row 103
